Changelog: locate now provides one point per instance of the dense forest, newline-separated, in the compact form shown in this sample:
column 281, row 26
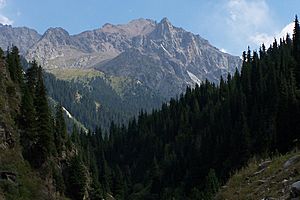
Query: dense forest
column 190, row 146
column 185, row 150
column 93, row 101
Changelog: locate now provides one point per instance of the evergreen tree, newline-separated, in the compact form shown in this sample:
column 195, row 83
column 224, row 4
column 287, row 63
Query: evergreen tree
column 77, row 179
column 60, row 134
column 119, row 184
column 296, row 50
column 28, row 125
column 45, row 141
column 14, row 66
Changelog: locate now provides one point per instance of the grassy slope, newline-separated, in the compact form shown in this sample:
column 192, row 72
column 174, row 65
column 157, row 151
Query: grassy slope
column 28, row 185
column 119, row 84
column 274, row 181
column 69, row 74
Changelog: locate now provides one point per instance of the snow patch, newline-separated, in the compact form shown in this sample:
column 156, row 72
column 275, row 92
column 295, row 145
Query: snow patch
column 194, row 78
column 162, row 46
column 139, row 82
column 223, row 50
column 67, row 112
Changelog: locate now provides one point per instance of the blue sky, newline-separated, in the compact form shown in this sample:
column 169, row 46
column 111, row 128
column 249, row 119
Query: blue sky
column 230, row 25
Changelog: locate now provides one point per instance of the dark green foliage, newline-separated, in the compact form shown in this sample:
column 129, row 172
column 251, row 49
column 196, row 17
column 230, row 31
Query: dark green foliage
column 76, row 179
column 28, row 124
column 170, row 152
column 296, row 49
column 45, row 142
column 35, row 119
column 60, row 133
column 14, row 65
column 58, row 181
column 80, row 98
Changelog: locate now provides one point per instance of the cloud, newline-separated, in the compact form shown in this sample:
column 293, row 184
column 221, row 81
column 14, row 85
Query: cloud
column 249, row 23
column 3, row 19
column 245, row 17
column 268, row 39
column 2, row 3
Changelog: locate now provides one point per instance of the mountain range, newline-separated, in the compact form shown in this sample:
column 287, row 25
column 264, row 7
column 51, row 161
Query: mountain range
column 118, row 70
column 163, row 57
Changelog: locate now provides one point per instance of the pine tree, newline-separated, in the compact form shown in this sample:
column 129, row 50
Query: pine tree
column 211, row 186
column 77, row 179
column 118, row 184
column 14, row 66
column 45, row 141
column 32, row 77
column 296, row 50
column 28, row 124
column 60, row 134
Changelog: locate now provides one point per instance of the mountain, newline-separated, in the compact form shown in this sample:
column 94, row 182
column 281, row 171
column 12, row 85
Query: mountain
column 22, row 37
column 185, row 150
column 163, row 57
column 134, row 66
column 194, row 143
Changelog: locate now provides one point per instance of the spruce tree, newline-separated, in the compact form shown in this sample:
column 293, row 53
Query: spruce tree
column 60, row 130
column 28, row 124
column 296, row 50
column 77, row 179
column 45, row 143
column 14, row 66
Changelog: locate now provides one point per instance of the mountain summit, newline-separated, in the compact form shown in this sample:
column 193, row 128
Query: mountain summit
column 164, row 57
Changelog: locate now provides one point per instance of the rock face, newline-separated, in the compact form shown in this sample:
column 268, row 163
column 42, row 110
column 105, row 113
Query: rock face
column 22, row 37
column 164, row 57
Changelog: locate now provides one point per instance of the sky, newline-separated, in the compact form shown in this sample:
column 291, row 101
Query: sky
column 230, row 25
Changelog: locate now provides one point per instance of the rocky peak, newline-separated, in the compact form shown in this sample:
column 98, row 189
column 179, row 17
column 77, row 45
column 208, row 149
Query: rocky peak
column 164, row 29
column 57, row 36
column 107, row 27
column 132, row 29
column 22, row 37
column 166, row 21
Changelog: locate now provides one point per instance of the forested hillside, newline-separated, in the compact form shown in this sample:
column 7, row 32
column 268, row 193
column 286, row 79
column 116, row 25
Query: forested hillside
column 37, row 157
column 190, row 146
column 97, row 99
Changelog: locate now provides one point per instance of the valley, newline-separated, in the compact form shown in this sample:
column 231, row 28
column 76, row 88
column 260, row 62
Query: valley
column 143, row 109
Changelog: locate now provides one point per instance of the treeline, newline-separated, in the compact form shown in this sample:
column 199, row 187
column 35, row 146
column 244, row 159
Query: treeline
column 193, row 143
column 93, row 101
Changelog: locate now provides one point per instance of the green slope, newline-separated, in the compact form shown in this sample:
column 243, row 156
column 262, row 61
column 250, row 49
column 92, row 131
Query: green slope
column 95, row 99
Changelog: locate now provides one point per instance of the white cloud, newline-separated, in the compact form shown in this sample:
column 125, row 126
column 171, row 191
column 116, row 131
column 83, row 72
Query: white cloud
column 247, row 16
column 2, row 3
column 4, row 19
column 268, row 39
